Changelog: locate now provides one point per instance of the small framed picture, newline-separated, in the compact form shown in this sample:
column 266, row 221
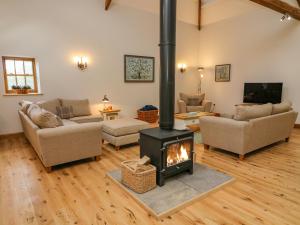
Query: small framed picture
column 139, row 68
column 222, row 73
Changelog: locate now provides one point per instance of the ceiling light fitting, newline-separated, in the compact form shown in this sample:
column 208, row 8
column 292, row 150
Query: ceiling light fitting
column 285, row 17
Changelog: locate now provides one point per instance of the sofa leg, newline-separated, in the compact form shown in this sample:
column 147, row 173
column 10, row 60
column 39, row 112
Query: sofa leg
column 287, row 139
column 242, row 157
column 117, row 148
column 48, row 169
column 206, row 147
column 98, row 158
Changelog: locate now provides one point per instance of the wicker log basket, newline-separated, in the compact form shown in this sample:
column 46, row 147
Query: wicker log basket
column 139, row 178
column 150, row 116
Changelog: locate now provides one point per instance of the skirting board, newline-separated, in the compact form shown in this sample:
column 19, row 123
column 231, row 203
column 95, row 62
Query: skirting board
column 297, row 126
column 3, row 136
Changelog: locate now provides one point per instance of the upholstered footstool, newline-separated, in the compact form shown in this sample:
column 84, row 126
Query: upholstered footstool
column 122, row 131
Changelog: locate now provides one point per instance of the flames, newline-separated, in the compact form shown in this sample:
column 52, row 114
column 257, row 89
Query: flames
column 176, row 155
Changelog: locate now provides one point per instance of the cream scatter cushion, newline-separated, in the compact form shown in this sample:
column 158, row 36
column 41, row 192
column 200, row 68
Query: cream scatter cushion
column 49, row 105
column 59, row 121
column 191, row 99
column 80, row 107
column 43, row 118
column 244, row 113
column 65, row 112
column 281, row 107
column 32, row 107
column 25, row 105
column 194, row 101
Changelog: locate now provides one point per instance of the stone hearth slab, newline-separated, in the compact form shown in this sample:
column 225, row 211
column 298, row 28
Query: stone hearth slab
column 179, row 191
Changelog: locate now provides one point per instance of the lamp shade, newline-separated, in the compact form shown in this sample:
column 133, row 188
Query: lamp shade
column 105, row 99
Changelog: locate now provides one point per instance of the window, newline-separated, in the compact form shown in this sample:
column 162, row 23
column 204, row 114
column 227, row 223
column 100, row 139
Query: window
column 19, row 72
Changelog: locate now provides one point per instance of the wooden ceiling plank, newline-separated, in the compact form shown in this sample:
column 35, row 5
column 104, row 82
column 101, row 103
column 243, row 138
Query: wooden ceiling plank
column 107, row 4
column 281, row 7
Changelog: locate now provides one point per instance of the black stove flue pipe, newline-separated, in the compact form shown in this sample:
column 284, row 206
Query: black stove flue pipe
column 167, row 63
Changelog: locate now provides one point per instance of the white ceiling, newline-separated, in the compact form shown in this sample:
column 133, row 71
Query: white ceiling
column 212, row 12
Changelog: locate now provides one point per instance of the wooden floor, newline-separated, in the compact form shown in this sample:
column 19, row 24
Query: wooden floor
column 266, row 190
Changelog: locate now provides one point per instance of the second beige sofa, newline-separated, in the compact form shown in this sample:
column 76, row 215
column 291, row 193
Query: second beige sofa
column 242, row 137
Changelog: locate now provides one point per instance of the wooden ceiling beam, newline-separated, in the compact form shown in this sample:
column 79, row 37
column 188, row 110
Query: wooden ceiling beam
column 281, row 7
column 107, row 4
column 199, row 14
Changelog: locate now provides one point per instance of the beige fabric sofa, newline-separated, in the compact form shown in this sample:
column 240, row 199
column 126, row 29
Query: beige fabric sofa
column 185, row 103
column 242, row 137
column 77, row 139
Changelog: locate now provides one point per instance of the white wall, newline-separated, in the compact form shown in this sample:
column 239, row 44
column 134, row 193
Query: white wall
column 55, row 31
column 259, row 47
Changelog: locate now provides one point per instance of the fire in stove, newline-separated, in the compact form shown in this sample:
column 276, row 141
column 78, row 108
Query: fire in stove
column 177, row 153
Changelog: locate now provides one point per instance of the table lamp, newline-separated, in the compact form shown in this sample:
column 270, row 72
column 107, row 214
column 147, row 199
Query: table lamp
column 105, row 100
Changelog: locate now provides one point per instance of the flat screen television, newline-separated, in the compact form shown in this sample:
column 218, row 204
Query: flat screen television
column 262, row 93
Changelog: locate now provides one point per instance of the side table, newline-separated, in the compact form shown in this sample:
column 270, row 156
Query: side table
column 110, row 114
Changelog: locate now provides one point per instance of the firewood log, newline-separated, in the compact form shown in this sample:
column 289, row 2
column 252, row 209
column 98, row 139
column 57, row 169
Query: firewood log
column 144, row 161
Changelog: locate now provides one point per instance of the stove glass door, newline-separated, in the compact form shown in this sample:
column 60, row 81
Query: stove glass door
column 178, row 152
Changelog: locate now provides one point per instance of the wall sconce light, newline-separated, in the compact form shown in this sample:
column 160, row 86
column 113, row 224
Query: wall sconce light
column 182, row 67
column 81, row 62
column 200, row 69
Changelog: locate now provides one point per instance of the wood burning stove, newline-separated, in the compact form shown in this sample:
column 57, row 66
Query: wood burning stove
column 171, row 151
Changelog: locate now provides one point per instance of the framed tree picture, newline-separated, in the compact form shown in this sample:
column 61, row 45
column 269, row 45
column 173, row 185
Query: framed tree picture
column 139, row 68
column 222, row 73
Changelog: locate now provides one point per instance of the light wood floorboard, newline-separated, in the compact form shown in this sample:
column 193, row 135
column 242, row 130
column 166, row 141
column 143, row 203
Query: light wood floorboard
column 266, row 190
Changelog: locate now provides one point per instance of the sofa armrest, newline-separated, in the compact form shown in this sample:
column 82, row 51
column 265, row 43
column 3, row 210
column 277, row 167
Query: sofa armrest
column 30, row 130
column 225, row 133
column 69, row 143
column 207, row 105
column 181, row 106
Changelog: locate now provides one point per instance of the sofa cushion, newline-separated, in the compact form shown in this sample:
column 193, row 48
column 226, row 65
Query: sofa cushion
column 49, row 105
column 43, row 118
column 25, row 105
column 65, row 112
column 227, row 115
column 68, row 122
column 244, row 113
column 80, row 107
column 191, row 98
column 122, row 127
column 195, row 108
column 87, row 119
column 281, row 107
column 194, row 101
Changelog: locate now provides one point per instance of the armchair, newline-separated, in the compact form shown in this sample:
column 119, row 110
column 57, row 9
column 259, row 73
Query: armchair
column 193, row 103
